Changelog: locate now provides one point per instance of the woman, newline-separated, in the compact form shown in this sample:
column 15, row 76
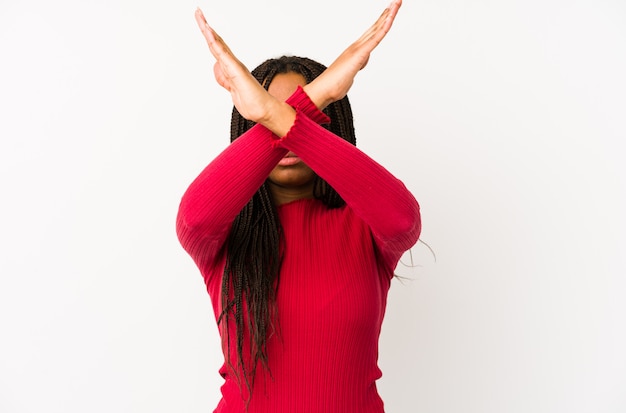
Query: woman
column 297, row 234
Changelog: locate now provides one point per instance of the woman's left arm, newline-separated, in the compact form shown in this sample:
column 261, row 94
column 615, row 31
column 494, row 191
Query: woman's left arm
column 374, row 194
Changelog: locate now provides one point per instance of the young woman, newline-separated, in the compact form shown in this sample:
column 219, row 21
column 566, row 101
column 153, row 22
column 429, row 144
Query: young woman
column 297, row 234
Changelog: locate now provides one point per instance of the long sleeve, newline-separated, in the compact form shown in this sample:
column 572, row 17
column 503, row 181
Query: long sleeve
column 379, row 198
column 217, row 195
column 213, row 200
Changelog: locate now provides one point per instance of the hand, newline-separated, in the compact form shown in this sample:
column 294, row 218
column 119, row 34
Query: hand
column 249, row 97
column 333, row 84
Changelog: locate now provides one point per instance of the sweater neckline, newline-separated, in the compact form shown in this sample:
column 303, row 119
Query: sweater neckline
column 297, row 202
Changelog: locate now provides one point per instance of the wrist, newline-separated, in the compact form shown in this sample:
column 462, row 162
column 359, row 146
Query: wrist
column 319, row 99
column 299, row 100
column 279, row 118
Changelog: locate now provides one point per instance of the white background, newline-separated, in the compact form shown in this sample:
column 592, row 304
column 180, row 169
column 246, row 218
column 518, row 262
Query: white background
column 504, row 118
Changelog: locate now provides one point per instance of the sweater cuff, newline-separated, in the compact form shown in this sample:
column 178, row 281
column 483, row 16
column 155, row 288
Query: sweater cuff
column 301, row 101
column 302, row 121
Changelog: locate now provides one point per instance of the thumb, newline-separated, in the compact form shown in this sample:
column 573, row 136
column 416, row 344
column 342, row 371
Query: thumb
column 220, row 76
column 367, row 59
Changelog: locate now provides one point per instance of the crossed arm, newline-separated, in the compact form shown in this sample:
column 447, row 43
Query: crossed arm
column 214, row 199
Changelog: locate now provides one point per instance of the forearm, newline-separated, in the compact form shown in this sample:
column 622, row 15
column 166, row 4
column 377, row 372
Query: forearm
column 381, row 200
column 318, row 95
column 223, row 188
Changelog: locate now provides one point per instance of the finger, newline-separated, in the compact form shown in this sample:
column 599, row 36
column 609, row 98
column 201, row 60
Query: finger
column 214, row 40
column 222, row 53
column 201, row 20
column 380, row 28
column 220, row 43
column 376, row 27
column 227, row 67
column 393, row 11
column 384, row 23
column 206, row 30
column 220, row 77
column 216, row 44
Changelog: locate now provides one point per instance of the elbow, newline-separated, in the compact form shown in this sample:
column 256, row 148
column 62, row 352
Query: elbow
column 199, row 236
column 409, row 226
column 403, row 228
column 182, row 229
column 188, row 227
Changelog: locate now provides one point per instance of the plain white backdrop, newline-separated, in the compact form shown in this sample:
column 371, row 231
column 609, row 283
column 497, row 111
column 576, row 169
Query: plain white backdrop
column 504, row 118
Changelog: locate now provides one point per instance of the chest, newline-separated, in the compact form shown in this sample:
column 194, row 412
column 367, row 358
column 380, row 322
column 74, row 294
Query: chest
column 330, row 275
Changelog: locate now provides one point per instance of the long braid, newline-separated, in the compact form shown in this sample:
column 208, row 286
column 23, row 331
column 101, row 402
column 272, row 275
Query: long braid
column 254, row 254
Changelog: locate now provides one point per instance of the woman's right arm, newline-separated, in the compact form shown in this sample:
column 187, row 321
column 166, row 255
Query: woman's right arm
column 217, row 195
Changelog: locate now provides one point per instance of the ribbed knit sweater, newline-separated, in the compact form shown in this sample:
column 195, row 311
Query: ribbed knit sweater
column 336, row 269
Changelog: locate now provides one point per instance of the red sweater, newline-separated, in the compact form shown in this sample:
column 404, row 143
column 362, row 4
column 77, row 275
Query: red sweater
column 336, row 270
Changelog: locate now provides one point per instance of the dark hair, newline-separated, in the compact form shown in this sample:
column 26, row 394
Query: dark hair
column 251, row 274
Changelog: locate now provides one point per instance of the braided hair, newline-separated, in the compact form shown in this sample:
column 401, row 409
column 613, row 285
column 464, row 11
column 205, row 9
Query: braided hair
column 253, row 257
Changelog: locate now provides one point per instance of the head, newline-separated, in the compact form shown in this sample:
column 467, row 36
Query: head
column 253, row 252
